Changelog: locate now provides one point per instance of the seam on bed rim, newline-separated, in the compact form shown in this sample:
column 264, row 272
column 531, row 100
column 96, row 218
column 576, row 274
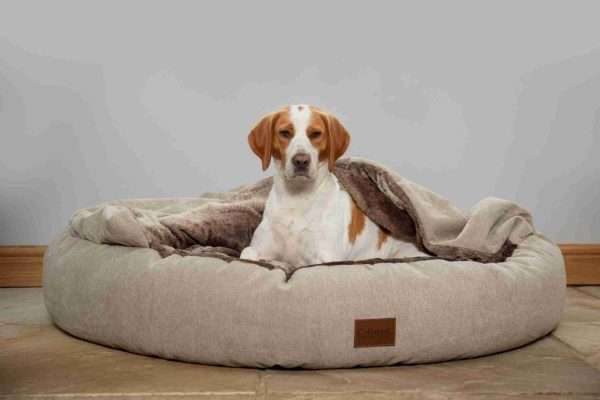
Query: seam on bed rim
column 288, row 275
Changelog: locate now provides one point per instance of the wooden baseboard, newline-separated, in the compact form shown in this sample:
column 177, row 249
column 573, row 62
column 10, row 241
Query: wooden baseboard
column 21, row 266
column 582, row 263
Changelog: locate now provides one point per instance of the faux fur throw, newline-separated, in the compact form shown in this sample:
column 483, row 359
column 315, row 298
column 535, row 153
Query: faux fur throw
column 222, row 224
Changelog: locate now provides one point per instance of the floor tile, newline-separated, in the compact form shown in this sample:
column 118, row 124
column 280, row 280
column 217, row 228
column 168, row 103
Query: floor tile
column 591, row 290
column 581, row 307
column 583, row 337
column 53, row 362
column 23, row 306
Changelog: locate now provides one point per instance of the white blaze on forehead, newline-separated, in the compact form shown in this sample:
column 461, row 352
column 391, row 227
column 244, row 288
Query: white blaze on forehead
column 300, row 116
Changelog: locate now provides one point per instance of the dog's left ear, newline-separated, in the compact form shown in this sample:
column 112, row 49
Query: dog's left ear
column 339, row 140
column 260, row 139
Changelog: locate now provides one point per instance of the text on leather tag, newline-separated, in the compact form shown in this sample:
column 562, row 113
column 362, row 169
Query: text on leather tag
column 374, row 332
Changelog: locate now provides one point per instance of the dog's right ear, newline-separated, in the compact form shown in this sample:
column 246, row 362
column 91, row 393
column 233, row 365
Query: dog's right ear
column 260, row 139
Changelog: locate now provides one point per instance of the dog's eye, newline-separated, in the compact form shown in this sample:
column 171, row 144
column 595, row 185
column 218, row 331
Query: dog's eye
column 315, row 135
column 285, row 134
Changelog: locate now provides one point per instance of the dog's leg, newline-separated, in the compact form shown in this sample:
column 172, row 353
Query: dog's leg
column 259, row 247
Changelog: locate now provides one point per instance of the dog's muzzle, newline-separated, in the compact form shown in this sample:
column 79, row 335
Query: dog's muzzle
column 301, row 163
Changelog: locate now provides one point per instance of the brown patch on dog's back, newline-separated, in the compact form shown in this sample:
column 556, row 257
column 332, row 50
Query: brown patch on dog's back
column 382, row 237
column 357, row 223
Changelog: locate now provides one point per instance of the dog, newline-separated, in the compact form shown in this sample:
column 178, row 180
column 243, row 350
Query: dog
column 308, row 217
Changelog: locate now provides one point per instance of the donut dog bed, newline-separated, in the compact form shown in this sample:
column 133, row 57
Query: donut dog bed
column 130, row 274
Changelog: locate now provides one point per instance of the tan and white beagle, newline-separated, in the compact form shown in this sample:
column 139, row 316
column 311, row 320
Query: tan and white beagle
column 309, row 218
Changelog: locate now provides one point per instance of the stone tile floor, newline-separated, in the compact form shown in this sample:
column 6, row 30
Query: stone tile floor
column 37, row 360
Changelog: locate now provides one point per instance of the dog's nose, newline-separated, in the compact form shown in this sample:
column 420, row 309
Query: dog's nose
column 301, row 160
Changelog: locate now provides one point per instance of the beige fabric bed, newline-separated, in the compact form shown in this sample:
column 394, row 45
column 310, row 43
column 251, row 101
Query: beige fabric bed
column 220, row 310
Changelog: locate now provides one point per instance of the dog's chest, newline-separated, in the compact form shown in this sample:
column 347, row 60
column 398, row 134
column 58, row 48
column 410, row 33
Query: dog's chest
column 308, row 234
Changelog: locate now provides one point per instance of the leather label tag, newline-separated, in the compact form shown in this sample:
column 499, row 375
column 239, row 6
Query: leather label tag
column 374, row 332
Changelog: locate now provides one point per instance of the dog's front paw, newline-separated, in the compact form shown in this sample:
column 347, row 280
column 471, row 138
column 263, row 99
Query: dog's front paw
column 249, row 253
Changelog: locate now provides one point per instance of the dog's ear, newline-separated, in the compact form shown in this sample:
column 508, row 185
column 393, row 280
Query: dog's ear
column 260, row 139
column 339, row 140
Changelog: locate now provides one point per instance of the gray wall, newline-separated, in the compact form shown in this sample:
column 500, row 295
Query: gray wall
column 108, row 100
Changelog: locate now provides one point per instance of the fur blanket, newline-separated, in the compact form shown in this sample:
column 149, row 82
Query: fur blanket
column 222, row 224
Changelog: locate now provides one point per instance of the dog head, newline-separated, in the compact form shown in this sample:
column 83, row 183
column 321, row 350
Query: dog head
column 300, row 138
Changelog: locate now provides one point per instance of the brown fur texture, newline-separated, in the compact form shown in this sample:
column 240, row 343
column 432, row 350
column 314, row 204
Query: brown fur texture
column 222, row 224
column 357, row 223
column 382, row 236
